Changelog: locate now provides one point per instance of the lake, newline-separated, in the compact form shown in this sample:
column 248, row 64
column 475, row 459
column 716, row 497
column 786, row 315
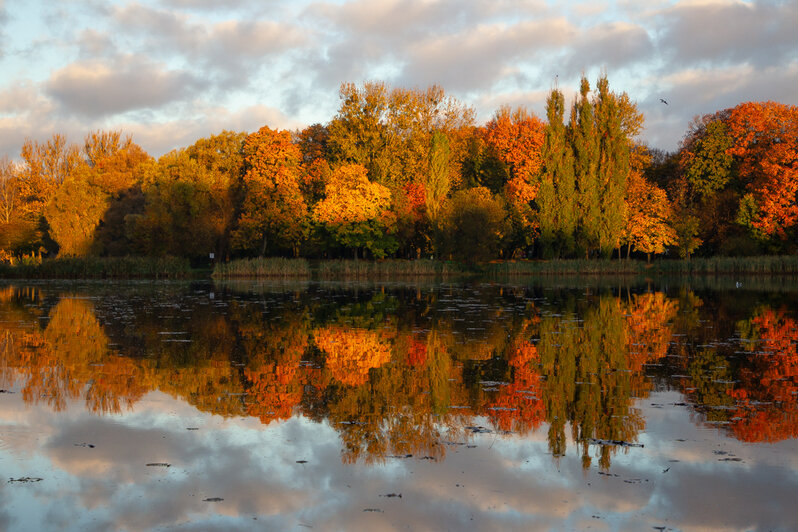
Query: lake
column 570, row 404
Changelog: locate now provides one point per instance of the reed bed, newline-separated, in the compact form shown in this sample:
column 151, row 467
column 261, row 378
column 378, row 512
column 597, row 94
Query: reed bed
column 763, row 265
column 389, row 269
column 281, row 268
column 274, row 267
column 101, row 268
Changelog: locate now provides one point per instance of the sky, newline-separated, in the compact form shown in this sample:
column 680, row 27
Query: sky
column 508, row 482
column 168, row 72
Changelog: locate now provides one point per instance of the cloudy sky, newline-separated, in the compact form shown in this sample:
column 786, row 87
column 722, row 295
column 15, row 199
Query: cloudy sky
column 171, row 71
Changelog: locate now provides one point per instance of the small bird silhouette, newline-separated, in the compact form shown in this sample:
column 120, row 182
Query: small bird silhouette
column 663, row 101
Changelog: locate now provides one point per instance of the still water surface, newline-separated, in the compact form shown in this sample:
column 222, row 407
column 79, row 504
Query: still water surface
column 251, row 406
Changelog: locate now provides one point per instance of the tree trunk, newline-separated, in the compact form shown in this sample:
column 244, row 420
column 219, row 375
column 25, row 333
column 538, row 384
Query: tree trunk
column 263, row 246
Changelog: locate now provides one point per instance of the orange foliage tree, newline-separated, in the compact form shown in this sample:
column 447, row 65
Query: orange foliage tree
column 273, row 208
column 648, row 227
column 765, row 139
column 516, row 138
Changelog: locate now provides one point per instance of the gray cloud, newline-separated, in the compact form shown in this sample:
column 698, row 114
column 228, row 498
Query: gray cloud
column 232, row 50
column 209, row 5
column 613, row 45
column 478, row 58
column 761, row 33
column 93, row 44
column 94, row 88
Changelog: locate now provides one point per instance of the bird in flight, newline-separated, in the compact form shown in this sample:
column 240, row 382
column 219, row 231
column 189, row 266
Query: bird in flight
column 663, row 101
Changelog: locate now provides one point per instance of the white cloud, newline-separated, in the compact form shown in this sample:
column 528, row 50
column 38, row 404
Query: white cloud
column 96, row 88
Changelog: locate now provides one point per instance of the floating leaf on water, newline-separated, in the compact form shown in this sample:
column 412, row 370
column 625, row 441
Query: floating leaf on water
column 159, row 464
column 213, row 499
column 399, row 495
column 25, row 479
column 619, row 443
column 301, row 461
column 89, row 445
column 373, row 510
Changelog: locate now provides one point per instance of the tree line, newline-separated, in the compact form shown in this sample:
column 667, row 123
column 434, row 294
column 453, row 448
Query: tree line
column 408, row 173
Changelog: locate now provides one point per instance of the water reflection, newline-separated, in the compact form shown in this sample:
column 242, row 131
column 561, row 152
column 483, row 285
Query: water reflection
column 402, row 372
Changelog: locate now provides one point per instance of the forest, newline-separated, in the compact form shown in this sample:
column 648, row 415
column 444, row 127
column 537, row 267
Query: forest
column 408, row 173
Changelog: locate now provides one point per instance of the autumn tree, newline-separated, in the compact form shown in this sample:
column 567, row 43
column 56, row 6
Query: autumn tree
column 437, row 184
column 15, row 230
column 273, row 211
column 648, row 228
column 357, row 212
column 178, row 199
column 557, row 209
column 613, row 121
column 388, row 130
column 584, row 143
column 221, row 157
column 111, row 165
column 45, row 165
column 765, row 141
column 685, row 226
column 516, row 138
column 475, row 222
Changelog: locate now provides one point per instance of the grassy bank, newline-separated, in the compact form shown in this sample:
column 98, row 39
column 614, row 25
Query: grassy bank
column 100, row 268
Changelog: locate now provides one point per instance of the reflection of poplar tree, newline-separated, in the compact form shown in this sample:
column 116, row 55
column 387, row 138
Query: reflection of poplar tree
column 588, row 382
column 440, row 364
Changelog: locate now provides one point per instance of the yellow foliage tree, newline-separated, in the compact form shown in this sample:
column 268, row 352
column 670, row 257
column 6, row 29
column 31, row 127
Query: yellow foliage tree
column 357, row 212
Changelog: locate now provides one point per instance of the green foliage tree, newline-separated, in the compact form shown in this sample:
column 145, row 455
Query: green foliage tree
column 581, row 132
column 437, row 185
column 179, row 201
column 612, row 130
column 557, row 208
column 474, row 224
column 708, row 163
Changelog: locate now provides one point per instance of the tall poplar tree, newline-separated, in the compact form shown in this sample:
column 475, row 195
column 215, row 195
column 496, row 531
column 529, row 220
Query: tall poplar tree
column 585, row 147
column 613, row 167
column 556, row 194
column 438, row 184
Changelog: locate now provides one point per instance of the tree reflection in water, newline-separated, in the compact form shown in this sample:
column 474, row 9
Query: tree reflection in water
column 410, row 373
